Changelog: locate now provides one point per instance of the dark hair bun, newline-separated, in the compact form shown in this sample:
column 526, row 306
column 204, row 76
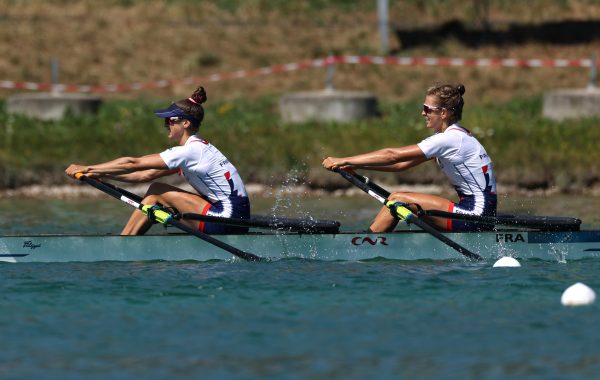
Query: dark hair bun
column 461, row 89
column 199, row 95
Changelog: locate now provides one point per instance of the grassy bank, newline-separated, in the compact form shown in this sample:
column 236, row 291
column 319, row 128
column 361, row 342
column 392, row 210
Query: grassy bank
column 528, row 151
column 131, row 41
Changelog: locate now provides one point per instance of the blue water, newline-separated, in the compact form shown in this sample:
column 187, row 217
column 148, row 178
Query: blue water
column 292, row 319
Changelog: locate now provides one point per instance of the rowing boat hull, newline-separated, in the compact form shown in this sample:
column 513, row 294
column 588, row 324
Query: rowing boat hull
column 403, row 245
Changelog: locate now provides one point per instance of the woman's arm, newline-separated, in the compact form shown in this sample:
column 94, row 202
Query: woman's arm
column 141, row 176
column 390, row 159
column 121, row 168
column 400, row 166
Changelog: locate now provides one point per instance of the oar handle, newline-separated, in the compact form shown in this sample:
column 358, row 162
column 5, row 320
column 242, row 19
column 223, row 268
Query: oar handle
column 100, row 186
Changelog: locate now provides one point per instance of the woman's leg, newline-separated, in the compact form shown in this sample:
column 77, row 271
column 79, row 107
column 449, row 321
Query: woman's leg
column 385, row 222
column 168, row 196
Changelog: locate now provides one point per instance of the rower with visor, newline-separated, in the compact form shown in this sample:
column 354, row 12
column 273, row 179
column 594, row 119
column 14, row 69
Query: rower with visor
column 219, row 189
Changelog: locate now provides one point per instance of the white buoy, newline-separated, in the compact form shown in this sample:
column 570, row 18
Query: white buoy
column 507, row 262
column 577, row 295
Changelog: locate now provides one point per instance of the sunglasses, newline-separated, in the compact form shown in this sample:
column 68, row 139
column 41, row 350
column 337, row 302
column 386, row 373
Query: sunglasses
column 172, row 120
column 429, row 109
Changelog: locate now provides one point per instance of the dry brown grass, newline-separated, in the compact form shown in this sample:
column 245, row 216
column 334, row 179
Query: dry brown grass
column 101, row 42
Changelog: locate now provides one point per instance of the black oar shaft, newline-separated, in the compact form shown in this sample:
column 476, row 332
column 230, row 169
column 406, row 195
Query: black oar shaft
column 122, row 191
column 382, row 196
column 257, row 221
column 544, row 223
column 275, row 223
column 443, row 238
column 114, row 192
column 218, row 243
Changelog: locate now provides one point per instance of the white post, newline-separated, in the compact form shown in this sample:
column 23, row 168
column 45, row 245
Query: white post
column 593, row 72
column 7, row 145
column 329, row 78
column 382, row 13
column 55, row 73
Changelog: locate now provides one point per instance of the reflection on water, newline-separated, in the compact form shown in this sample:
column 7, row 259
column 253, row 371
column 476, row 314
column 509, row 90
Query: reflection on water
column 20, row 216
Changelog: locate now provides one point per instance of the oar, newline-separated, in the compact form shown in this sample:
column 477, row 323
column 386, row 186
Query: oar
column 308, row 226
column 404, row 213
column 545, row 223
column 164, row 217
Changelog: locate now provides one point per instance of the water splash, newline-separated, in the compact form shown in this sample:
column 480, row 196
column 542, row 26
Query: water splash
column 503, row 250
column 285, row 204
column 559, row 253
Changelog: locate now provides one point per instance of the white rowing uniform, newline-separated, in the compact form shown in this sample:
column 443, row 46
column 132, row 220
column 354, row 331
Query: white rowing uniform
column 468, row 167
column 208, row 171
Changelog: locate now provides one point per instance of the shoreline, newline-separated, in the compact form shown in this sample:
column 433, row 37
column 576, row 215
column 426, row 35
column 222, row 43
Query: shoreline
column 253, row 189
column 76, row 191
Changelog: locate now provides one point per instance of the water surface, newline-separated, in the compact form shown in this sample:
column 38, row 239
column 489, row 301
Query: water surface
column 288, row 319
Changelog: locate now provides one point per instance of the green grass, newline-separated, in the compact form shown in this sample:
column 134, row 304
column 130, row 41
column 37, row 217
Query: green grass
column 527, row 149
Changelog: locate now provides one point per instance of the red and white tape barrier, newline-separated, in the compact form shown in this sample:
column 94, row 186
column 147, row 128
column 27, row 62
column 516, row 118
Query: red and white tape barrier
column 332, row 60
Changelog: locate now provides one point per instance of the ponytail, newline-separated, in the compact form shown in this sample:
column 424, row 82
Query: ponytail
column 449, row 97
column 193, row 106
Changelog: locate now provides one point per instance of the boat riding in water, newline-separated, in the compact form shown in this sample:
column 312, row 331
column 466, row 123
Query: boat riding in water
column 400, row 245
column 522, row 237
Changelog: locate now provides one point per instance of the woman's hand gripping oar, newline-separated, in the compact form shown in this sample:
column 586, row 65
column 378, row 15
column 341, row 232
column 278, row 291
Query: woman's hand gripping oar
column 164, row 217
column 400, row 210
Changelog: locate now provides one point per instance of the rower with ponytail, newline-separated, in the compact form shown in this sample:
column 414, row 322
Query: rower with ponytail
column 460, row 156
column 219, row 188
